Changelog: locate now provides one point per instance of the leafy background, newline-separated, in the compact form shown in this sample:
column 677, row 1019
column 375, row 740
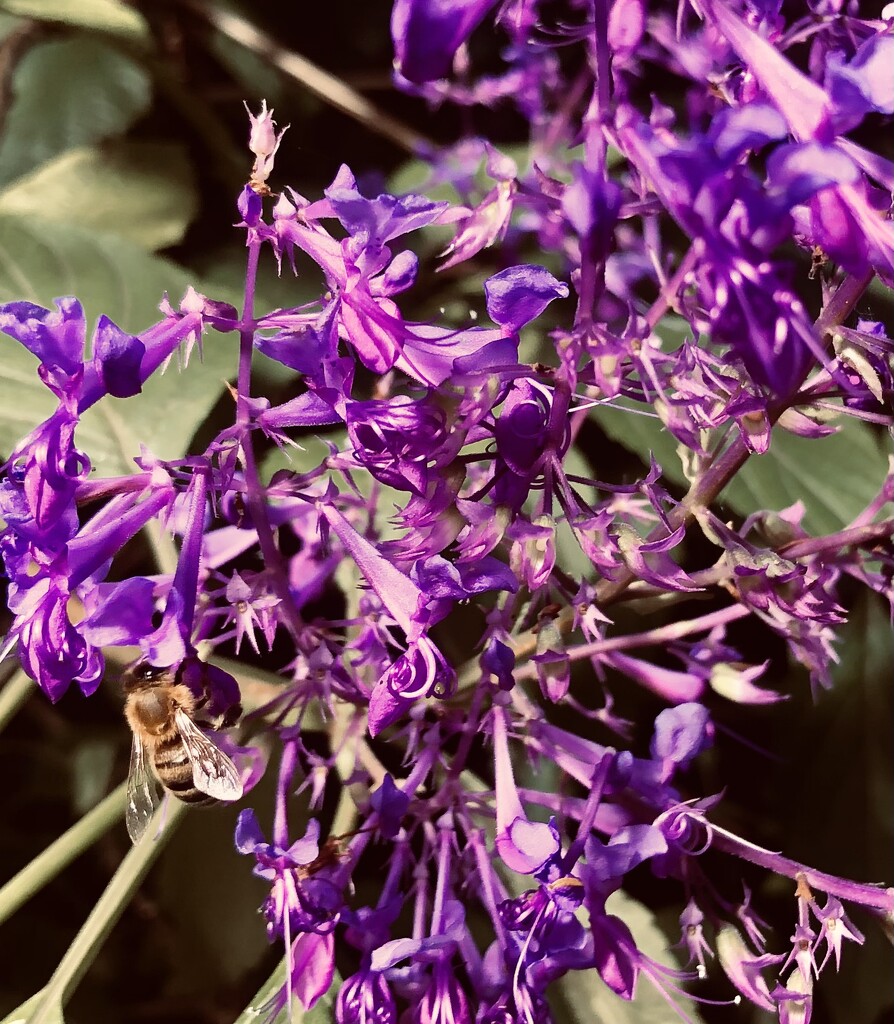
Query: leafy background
column 122, row 148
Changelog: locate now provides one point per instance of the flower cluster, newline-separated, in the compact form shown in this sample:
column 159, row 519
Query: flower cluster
column 699, row 265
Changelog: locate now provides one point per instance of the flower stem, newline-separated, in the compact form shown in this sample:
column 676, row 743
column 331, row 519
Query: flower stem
column 89, row 940
column 59, row 854
column 254, row 491
column 13, row 696
column 867, row 895
column 659, row 635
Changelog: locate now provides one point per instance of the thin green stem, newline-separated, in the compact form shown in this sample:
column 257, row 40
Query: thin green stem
column 59, row 854
column 89, row 940
column 13, row 696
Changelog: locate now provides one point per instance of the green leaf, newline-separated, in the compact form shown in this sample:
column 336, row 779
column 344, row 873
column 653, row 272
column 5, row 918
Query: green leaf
column 254, row 1011
column 108, row 274
column 69, row 92
column 22, row 1015
column 115, row 277
column 642, row 434
column 143, row 191
column 835, row 477
column 105, row 15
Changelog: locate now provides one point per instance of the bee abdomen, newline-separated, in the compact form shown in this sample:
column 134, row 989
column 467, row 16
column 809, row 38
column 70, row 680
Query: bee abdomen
column 175, row 773
column 178, row 779
column 193, row 796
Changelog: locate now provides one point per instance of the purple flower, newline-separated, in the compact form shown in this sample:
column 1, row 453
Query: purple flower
column 391, row 804
column 518, row 295
column 525, row 846
column 120, row 357
column 299, row 901
column 365, row 998
column 396, row 440
column 488, row 222
column 421, row 672
column 427, row 34
column 743, row 968
column 693, row 938
column 836, row 927
column 616, row 955
column 863, row 83
column 681, row 733
column 454, row 523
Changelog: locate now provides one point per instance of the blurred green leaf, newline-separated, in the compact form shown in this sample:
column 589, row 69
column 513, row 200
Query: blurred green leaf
column 105, row 15
column 254, row 1012
column 108, row 274
column 112, row 276
column 414, row 176
column 22, row 1015
column 69, row 92
column 143, row 191
column 795, row 468
column 641, row 435
column 8, row 22
column 836, row 477
column 673, row 331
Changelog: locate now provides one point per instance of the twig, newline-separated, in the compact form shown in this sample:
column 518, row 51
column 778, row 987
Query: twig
column 321, row 83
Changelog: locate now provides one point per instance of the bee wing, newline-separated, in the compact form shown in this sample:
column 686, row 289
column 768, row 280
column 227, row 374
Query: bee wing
column 142, row 796
column 212, row 771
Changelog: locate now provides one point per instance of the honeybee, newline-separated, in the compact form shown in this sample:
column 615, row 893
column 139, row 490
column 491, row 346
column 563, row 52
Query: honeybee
column 168, row 746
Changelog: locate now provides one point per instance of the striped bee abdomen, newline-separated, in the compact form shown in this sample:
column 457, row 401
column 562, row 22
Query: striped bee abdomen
column 175, row 772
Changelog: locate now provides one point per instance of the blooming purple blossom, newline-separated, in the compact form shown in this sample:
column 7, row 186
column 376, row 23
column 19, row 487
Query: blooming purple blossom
column 451, row 545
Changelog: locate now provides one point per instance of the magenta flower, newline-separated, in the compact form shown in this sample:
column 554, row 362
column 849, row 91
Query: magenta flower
column 495, row 545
